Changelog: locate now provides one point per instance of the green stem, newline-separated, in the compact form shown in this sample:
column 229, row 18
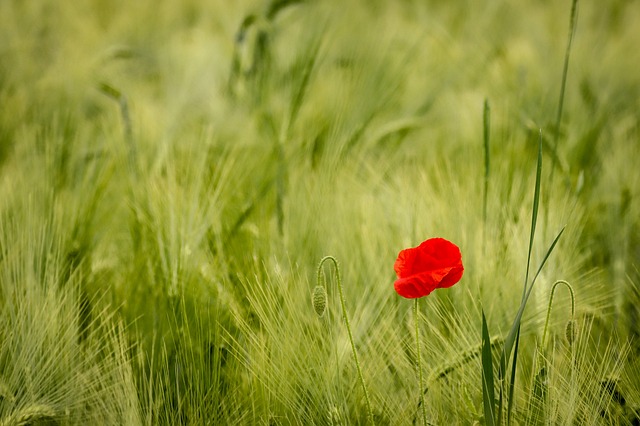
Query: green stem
column 573, row 307
column 346, row 321
column 540, row 393
column 415, row 316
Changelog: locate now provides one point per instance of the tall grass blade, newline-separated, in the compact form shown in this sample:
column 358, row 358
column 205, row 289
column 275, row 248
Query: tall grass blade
column 514, row 333
column 488, row 395
column 512, row 382
column 512, row 336
column 307, row 67
column 486, row 123
column 546, row 256
column 556, row 131
column 534, row 214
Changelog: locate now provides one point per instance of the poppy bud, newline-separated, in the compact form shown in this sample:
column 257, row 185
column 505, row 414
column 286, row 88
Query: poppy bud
column 319, row 300
column 570, row 332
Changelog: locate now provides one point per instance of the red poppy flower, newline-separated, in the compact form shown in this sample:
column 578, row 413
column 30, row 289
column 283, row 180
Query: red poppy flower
column 436, row 263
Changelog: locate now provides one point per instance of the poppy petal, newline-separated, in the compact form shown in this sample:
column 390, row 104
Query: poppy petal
column 414, row 286
column 435, row 263
column 404, row 263
column 452, row 277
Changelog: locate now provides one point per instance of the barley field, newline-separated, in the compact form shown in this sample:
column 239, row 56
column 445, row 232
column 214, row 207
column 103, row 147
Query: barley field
column 172, row 175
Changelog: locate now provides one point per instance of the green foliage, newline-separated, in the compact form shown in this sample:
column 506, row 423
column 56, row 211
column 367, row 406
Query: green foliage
column 171, row 173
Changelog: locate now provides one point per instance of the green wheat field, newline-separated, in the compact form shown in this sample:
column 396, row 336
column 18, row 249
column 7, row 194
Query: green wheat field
column 172, row 174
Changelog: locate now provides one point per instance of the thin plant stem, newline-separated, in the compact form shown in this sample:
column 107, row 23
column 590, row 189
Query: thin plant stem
column 540, row 392
column 573, row 307
column 420, row 378
column 346, row 321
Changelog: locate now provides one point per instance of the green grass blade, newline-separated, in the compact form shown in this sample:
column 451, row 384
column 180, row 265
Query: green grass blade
column 534, row 213
column 511, row 337
column 501, row 382
column 306, row 68
column 546, row 256
column 512, row 383
column 487, row 164
column 556, row 131
column 514, row 332
column 488, row 396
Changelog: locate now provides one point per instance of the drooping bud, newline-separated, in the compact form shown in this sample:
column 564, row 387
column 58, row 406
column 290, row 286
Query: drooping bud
column 319, row 300
column 570, row 332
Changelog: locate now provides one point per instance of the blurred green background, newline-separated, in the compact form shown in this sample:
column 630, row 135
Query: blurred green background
column 171, row 173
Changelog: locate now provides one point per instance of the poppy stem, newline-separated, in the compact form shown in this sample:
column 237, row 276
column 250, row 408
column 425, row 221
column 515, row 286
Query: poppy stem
column 420, row 378
column 346, row 321
column 573, row 308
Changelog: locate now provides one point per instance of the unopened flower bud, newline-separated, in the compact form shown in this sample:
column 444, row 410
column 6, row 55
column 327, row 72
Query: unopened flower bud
column 319, row 300
column 570, row 331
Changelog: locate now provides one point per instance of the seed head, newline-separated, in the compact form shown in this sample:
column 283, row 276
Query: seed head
column 32, row 415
